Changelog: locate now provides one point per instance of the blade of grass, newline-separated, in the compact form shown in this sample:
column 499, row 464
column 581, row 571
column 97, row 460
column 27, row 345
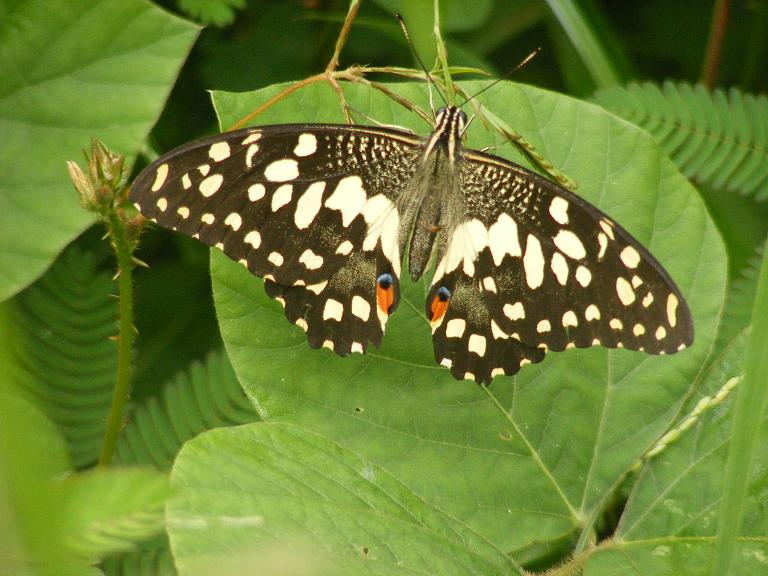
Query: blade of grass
column 586, row 42
column 751, row 401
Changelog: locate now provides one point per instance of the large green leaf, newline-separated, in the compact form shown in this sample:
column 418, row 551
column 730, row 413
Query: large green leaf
column 56, row 522
column 671, row 519
column 271, row 493
column 531, row 459
column 71, row 70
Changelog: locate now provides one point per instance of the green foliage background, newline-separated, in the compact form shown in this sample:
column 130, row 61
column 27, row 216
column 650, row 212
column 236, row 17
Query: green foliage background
column 380, row 464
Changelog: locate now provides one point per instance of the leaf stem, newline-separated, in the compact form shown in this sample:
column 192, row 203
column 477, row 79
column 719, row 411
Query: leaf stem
column 124, row 251
column 720, row 14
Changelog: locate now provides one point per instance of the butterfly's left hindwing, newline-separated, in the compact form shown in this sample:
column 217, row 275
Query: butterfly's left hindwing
column 552, row 270
column 312, row 209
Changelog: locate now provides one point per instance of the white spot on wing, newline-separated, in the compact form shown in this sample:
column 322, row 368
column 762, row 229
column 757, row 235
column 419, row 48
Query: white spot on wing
column 256, row 192
column 558, row 209
column 616, row 324
column 592, row 313
column 186, row 182
column 560, row 268
column 543, row 326
column 638, row 330
column 607, row 226
column 361, row 308
column 570, row 244
column 234, row 221
column 311, row 260
column 514, row 311
column 252, row 137
column 211, row 185
column 533, row 262
column 661, row 333
column 489, row 284
column 455, row 328
column 183, row 211
column 219, row 151
column 383, row 225
column 160, row 175
column 630, row 257
column 672, row 310
column 333, row 309
column 344, row 248
column 249, row 154
column 275, row 258
column 624, row 290
column 253, row 238
column 282, row 170
column 602, row 241
column 307, row 145
column 497, row 332
column 162, row 204
column 468, row 239
column 569, row 319
column 583, row 276
column 477, row 344
column 207, row 218
column 317, row 288
column 281, row 197
column 648, row 300
column 502, row 238
column 309, row 205
column 348, row 198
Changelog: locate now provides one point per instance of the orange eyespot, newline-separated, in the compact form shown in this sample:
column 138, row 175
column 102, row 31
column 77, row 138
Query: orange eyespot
column 440, row 303
column 385, row 292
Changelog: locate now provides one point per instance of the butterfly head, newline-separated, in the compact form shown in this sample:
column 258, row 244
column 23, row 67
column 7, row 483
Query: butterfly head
column 450, row 121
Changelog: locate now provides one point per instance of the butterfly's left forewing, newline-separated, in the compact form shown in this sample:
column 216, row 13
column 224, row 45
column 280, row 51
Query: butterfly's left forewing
column 310, row 208
column 547, row 271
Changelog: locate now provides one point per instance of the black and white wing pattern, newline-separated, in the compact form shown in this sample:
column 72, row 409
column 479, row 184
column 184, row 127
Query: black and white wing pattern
column 542, row 269
column 324, row 213
column 310, row 208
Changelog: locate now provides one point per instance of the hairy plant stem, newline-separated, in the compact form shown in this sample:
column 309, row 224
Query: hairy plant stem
column 123, row 251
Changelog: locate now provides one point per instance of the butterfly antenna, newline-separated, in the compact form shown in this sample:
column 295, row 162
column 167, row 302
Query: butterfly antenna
column 524, row 61
column 430, row 81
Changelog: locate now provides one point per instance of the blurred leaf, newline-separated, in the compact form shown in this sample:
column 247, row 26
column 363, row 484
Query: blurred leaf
column 71, row 69
column 571, row 426
column 106, row 510
column 32, row 538
column 56, row 522
column 246, row 491
column 58, row 335
column 216, row 12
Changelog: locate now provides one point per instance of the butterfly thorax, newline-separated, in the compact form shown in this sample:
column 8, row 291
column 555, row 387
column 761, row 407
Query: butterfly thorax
column 433, row 185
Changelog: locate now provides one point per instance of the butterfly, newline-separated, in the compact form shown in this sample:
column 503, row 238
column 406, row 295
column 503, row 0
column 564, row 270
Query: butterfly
column 326, row 214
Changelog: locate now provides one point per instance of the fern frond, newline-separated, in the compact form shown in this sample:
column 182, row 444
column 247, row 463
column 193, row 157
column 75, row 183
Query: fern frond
column 716, row 139
column 206, row 396
column 152, row 558
column 63, row 359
